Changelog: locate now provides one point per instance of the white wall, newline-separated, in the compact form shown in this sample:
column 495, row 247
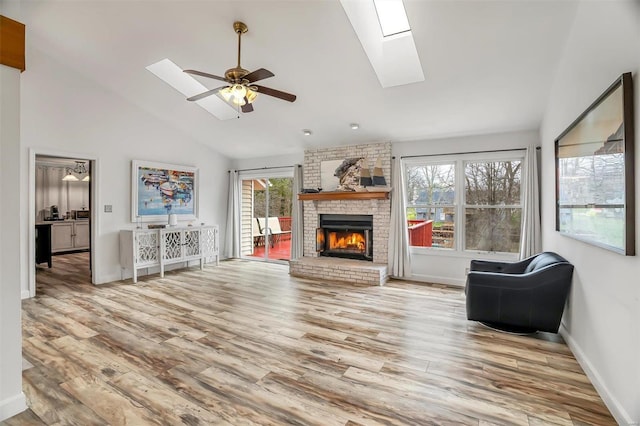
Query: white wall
column 65, row 113
column 12, row 400
column 602, row 320
column 275, row 161
column 444, row 266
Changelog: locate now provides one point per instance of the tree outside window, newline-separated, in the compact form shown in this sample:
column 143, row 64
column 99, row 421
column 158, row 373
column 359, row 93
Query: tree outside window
column 493, row 209
column 431, row 197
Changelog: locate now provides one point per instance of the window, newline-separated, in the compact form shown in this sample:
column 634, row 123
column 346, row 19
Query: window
column 492, row 205
column 431, row 204
column 472, row 203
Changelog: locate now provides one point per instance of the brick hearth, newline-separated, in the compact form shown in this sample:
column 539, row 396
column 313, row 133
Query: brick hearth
column 310, row 265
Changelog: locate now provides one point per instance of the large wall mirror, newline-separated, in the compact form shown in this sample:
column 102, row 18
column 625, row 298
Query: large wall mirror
column 595, row 199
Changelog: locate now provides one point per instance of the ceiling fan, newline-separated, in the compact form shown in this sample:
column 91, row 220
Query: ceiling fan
column 240, row 89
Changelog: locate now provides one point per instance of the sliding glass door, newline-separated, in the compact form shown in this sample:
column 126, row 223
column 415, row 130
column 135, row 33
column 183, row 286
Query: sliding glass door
column 266, row 202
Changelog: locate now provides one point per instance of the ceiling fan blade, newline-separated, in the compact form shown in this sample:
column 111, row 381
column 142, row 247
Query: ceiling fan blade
column 275, row 93
column 259, row 74
column 204, row 74
column 205, row 94
column 247, row 107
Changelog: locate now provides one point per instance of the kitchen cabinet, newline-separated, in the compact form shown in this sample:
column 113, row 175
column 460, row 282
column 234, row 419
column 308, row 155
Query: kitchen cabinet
column 81, row 234
column 69, row 235
column 151, row 248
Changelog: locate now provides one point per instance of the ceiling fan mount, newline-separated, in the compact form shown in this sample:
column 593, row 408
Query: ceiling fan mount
column 240, row 27
column 240, row 89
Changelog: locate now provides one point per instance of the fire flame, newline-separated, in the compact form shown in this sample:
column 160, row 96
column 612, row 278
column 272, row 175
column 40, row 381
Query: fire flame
column 346, row 241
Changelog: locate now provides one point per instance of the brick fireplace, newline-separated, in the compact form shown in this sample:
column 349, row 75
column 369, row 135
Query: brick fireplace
column 363, row 271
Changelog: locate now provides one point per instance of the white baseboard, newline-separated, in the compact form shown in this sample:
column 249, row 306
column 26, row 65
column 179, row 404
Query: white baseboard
column 619, row 413
column 12, row 406
column 437, row 280
column 104, row 279
column 25, row 294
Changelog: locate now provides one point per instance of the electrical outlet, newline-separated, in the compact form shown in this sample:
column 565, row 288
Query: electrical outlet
column 108, row 208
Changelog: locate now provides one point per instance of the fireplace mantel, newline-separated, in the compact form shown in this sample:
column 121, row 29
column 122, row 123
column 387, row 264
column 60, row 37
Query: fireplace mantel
column 344, row 195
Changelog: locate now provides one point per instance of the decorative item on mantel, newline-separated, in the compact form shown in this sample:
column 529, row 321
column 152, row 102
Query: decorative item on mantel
column 348, row 174
column 365, row 174
column 378, row 175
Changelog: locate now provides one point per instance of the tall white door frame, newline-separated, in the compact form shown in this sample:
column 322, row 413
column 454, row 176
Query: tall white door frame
column 93, row 207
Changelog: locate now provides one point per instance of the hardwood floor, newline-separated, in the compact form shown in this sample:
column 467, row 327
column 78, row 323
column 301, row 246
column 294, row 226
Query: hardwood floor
column 245, row 343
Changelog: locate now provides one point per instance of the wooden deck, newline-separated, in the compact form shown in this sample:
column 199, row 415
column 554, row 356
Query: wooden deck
column 245, row 343
column 281, row 250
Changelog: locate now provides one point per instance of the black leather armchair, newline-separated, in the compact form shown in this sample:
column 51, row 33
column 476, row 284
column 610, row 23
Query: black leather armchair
column 524, row 296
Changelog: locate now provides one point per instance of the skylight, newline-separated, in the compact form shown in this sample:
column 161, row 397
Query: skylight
column 394, row 58
column 173, row 75
column 392, row 17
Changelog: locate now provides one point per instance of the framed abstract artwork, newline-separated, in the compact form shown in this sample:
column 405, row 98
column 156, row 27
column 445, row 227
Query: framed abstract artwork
column 159, row 189
column 595, row 195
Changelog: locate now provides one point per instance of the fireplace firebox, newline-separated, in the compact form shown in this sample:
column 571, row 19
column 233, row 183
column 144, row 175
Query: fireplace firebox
column 345, row 235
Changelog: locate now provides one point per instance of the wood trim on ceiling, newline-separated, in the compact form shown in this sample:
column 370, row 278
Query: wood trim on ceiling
column 12, row 43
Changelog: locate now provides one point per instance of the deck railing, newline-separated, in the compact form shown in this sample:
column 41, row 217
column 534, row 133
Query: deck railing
column 420, row 233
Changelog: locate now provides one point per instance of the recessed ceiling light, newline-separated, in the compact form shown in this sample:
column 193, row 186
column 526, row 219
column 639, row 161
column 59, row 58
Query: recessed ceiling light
column 354, row 126
column 306, row 132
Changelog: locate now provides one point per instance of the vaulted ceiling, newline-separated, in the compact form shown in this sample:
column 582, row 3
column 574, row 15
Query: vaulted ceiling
column 488, row 66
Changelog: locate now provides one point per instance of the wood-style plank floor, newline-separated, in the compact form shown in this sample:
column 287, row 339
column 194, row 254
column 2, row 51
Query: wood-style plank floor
column 245, row 343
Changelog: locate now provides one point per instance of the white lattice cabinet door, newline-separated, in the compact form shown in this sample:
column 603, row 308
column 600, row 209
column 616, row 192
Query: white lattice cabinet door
column 147, row 246
column 180, row 245
column 210, row 243
column 191, row 239
column 171, row 244
column 139, row 248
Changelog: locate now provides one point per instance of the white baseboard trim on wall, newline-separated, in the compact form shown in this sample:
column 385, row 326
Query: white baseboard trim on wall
column 25, row 294
column 109, row 278
column 12, row 406
column 619, row 413
column 437, row 280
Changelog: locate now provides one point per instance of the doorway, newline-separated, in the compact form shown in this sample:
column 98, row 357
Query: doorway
column 266, row 206
column 61, row 220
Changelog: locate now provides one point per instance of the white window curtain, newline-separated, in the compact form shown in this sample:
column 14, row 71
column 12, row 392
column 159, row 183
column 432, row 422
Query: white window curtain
column 530, row 239
column 232, row 235
column 399, row 253
column 297, row 232
column 52, row 190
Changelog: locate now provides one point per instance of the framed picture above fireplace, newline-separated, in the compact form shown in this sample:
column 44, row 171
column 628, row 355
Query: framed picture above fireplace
column 595, row 195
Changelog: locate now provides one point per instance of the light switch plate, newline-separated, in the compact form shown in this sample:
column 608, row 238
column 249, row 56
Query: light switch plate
column 108, row 208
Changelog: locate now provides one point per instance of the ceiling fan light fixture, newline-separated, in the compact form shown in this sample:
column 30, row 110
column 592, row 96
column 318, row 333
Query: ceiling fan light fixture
column 238, row 94
column 251, row 95
column 239, row 91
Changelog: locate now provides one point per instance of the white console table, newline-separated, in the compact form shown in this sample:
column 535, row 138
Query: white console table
column 147, row 248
